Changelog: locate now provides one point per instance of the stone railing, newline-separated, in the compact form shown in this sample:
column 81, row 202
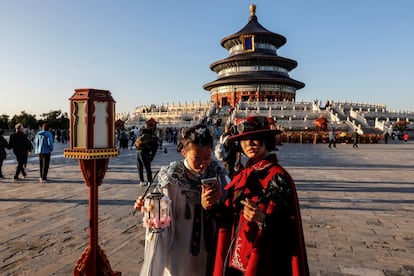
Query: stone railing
column 291, row 114
column 361, row 106
column 358, row 117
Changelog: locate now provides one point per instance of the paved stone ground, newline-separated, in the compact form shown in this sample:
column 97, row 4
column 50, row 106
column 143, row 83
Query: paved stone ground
column 357, row 209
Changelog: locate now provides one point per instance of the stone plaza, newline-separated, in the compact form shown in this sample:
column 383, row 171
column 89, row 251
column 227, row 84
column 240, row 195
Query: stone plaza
column 357, row 210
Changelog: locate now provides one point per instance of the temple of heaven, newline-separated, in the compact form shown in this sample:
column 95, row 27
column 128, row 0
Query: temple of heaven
column 253, row 71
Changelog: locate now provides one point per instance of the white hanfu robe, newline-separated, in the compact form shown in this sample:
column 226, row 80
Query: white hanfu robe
column 169, row 252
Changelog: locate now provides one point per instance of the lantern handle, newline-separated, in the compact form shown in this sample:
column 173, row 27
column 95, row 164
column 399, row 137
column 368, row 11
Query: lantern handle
column 150, row 184
column 146, row 191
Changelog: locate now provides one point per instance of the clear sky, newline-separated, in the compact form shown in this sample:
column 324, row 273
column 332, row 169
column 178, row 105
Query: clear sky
column 158, row 52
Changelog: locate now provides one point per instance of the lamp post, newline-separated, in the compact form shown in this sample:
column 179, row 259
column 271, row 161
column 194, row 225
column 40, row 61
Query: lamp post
column 92, row 142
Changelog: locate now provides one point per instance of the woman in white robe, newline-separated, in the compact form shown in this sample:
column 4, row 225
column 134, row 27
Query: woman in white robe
column 187, row 246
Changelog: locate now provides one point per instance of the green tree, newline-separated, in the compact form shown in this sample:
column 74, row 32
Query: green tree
column 56, row 119
column 4, row 121
column 28, row 120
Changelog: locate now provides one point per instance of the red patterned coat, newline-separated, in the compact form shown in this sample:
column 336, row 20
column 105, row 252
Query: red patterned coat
column 276, row 248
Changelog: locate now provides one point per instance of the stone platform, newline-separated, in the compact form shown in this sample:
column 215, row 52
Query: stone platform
column 357, row 209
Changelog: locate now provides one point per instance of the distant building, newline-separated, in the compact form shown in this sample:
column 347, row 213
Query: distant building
column 253, row 71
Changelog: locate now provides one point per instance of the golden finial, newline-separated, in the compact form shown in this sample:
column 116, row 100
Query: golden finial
column 252, row 10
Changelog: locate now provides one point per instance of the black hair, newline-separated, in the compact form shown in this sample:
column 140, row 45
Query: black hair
column 45, row 126
column 198, row 135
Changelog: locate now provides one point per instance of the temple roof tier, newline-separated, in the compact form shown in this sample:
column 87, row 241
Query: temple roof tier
column 254, row 27
column 254, row 78
column 254, row 59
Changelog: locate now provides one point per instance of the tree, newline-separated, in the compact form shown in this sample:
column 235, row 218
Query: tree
column 27, row 120
column 56, row 119
column 4, row 121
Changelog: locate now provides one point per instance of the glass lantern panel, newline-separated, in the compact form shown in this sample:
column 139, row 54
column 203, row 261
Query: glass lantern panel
column 79, row 125
column 100, row 137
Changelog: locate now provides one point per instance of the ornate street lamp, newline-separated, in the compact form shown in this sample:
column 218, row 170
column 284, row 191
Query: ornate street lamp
column 92, row 142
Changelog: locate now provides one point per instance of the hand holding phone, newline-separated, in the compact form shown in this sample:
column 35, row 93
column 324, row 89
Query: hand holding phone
column 211, row 192
column 210, row 182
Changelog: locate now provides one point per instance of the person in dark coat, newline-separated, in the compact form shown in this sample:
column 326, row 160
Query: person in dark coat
column 3, row 154
column 332, row 139
column 147, row 146
column 355, row 137
column 21, row 146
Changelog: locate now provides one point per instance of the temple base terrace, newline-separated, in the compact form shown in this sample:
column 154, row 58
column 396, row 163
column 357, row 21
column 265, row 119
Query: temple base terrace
column 290, row 115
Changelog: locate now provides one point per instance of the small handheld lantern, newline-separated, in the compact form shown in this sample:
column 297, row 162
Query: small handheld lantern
column 156, row 211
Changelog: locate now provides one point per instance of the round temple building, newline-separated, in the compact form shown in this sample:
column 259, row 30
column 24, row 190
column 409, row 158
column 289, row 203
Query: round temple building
column 253, row 71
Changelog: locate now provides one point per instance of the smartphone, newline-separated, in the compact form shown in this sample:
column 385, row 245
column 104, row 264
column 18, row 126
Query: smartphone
column 211, row 182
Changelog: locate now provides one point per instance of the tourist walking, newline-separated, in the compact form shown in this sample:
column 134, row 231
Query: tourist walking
column 147, row 146
column 123, row 137
column 21, row 146
column 386, row 136
column 175, row 136
column 44, row 148
column 187, row 246
column 3, row 154
column 355, row 137
column 332, row 139
column 134, row 135
column 260, row 227
column 226, row 151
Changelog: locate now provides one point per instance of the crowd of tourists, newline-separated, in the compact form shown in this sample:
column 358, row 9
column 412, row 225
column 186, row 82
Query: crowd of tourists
column 22, row 142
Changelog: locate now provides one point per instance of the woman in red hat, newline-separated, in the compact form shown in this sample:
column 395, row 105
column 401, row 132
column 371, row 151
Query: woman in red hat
column 260, row 228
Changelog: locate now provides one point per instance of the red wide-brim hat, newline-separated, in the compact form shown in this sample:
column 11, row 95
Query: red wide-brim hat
column 252, row 125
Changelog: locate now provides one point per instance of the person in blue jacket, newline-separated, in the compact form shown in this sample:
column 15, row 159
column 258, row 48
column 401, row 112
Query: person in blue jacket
column 44, row 147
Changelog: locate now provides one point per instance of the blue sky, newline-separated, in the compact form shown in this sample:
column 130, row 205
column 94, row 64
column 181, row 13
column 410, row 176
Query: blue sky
column 158, row 52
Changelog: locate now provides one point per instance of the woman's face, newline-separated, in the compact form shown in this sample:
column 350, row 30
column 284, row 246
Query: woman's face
column 198, row 158
column 253, row 149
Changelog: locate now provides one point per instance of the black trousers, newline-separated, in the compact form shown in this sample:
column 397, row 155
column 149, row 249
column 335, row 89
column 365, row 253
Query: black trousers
column 144, row 159
column 21, row 161
column 1, row 165
column 44, row 162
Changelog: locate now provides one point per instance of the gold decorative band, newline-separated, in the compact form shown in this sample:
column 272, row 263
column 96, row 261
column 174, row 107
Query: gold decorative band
column 91, row 153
